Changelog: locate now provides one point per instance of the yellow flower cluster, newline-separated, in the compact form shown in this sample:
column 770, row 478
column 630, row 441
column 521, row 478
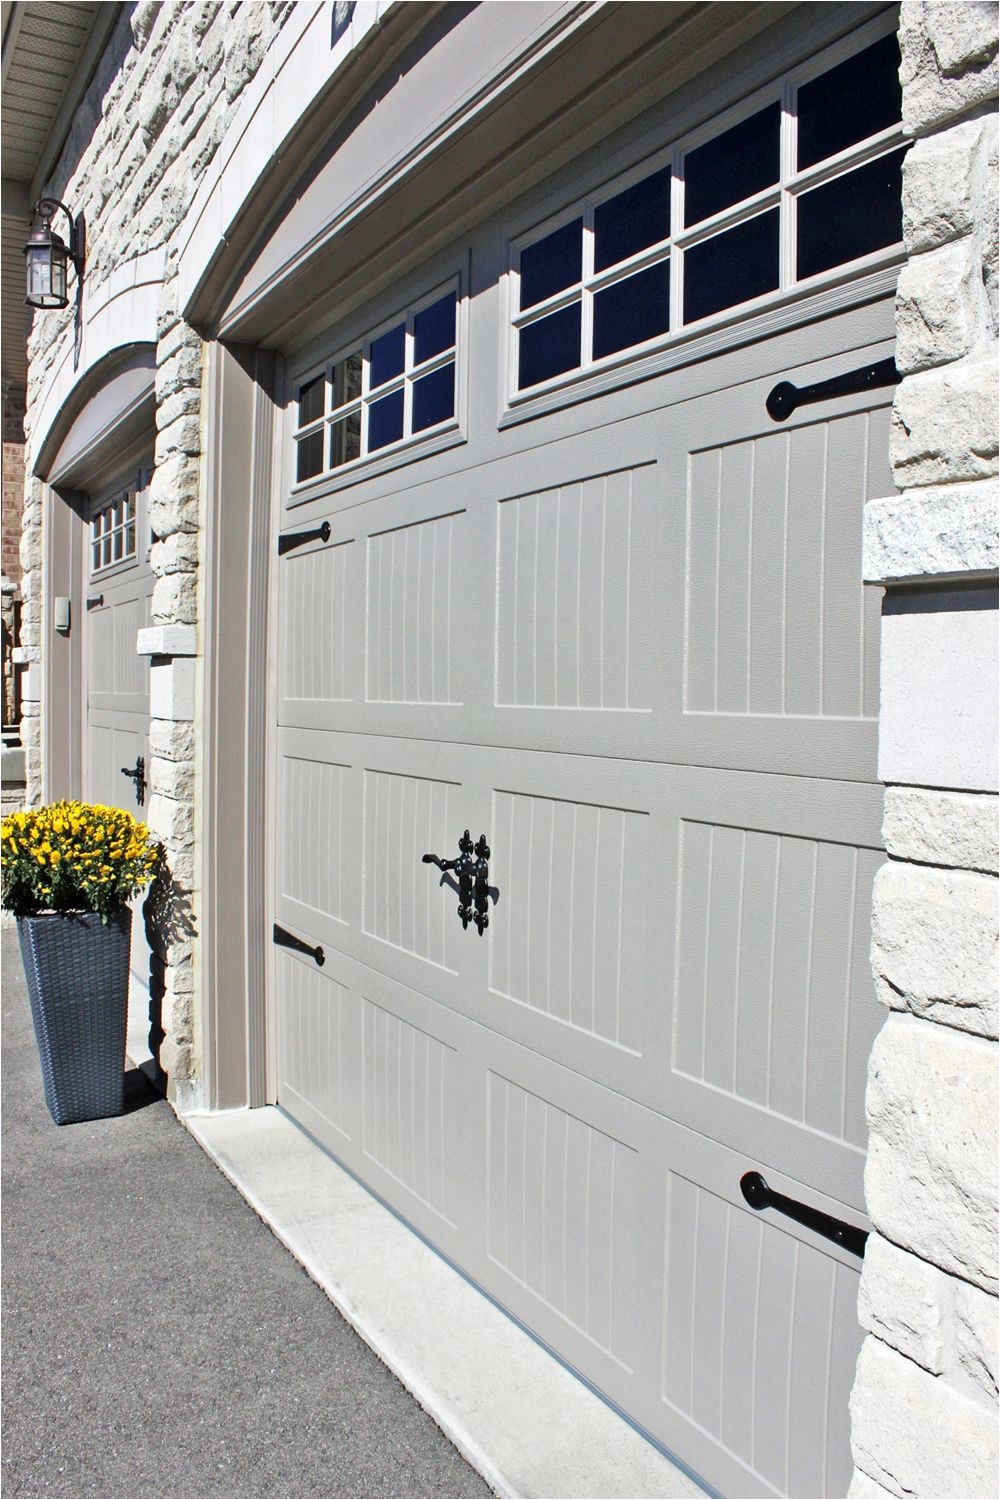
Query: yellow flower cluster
column 75, row 856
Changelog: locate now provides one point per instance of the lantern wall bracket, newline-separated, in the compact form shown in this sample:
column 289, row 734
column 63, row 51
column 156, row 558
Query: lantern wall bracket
column 46, row 209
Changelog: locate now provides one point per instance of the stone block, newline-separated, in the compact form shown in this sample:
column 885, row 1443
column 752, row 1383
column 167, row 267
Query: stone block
column 171, row 820
column 944, row 424
column 931, row 1175
column 957, row 829
column 990, row 227
column 173, row 496
column 182, row 436
column 941, row 186
column 176, row 370
column 172, row 778
column 863, row 1487
column 171, row 688
column 175, row 599
column 934, row 945
column 915, row 1434
column 946, row 531
column 171, row 740
column 963, row 34
column 939, row 706
column 937, row 87
column 166, row 640
column 940, row 306
column 976, row 1336
column 180, row 404
column 905, row 1302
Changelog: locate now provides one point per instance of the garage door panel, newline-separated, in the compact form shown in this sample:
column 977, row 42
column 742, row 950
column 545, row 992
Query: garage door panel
column 319, row 597
column 574, row 594
column 756, row 1368
column 319, row 1049
column 414, row 612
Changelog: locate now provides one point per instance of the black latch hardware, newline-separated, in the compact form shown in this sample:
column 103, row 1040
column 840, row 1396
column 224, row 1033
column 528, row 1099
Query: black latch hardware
column 299, row 538
column 137, row 774
column 95, row 601
column 473, row 870
column 785, row 397
column 759, row 1196
column 286, row 939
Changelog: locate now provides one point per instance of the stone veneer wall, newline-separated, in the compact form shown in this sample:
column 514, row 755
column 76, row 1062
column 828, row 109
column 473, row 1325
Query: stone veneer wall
column 924, row 1405
column 152, row 119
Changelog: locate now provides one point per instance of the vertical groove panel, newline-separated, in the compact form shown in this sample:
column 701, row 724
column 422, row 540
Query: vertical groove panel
column 564, row 596
column 409, row 607
column 771, row 995
column 564, row 1200
column 571, row 945
column 314, row 654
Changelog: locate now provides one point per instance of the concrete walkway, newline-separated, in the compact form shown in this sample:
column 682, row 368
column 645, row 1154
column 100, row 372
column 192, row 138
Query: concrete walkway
column 158, row 1340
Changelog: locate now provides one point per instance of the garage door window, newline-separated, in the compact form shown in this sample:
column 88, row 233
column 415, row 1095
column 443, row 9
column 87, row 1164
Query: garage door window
column 803, row 183
column 397, row 385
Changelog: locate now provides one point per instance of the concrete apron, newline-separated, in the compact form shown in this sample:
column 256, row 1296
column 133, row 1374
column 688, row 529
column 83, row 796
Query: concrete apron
column 523, row 1421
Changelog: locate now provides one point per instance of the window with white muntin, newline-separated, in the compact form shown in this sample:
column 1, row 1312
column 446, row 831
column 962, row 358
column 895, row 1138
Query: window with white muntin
column 394, row 387
column 804, row 180
column 113, row 531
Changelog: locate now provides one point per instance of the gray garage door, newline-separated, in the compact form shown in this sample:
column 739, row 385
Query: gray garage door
column 626, row 642
column 118, row 589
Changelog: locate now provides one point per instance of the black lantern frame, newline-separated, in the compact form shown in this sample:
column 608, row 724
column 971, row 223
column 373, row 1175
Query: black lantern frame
column 47, row 256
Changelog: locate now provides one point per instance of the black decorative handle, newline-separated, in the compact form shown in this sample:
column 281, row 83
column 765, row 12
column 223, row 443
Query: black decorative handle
column 785, row 397
column 286, row 939
column 759, row 1196
column 473, row 871
column 137, row 774
column 299, row 538
column 95, row 601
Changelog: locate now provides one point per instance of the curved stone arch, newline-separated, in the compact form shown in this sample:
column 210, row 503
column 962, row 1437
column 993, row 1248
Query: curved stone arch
column 123, row 317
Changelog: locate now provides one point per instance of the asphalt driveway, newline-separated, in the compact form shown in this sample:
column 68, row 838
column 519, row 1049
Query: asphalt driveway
column 157, row 1339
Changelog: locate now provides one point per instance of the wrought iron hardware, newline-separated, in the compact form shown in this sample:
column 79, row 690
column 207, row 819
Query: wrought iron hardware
column 138, row 775
column 299, row 538
column 286, row 939
column 95, row 601
column 473, row 870
column 759, row 1196
column 785, row 397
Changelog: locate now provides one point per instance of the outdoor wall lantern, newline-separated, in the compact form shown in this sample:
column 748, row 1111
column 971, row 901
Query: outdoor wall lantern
column 47, row 256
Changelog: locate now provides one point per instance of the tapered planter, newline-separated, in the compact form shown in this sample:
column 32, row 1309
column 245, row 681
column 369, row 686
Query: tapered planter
column 77, row 970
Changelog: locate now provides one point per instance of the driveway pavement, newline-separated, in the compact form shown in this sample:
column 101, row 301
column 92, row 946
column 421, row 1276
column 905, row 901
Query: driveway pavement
column 157, row 1339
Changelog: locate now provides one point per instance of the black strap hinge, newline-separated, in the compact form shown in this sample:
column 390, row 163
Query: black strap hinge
column 299, row 538
column 785, row 397
column 286, row 939
column 759, row 1196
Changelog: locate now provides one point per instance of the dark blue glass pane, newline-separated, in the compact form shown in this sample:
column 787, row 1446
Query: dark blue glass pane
column 386, row 357
column 857, row 99
column 632, row 310
column 733, row 165
column 434, row 398
column 385, row 421
column 552, row 264
column 632, row 220
column 434, row 329
column 309, row 456
column 311, row 400
column 549, row 347
column 851, row 216
column 731, row 267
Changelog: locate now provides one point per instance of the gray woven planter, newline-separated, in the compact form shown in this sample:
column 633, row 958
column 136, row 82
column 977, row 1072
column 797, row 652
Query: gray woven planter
column 78, row 971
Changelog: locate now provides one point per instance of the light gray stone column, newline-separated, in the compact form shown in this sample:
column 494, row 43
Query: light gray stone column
column 924, row 1402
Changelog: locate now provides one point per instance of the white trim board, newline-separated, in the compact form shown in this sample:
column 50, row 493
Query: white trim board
column 519, row 1417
